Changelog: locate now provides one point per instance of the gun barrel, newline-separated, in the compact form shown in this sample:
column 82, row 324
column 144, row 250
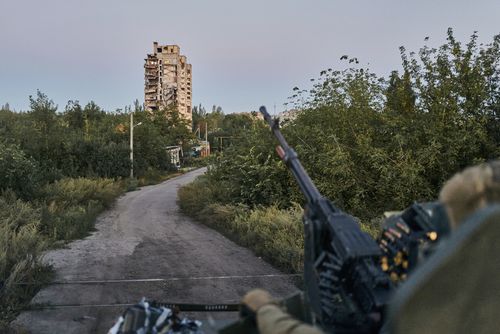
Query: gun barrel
column 291, row 160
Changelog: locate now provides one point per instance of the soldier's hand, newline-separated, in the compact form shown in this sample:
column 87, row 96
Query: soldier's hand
column 256, row 298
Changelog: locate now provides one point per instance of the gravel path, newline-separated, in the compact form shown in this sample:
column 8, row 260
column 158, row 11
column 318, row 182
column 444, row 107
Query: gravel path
column 144, row 236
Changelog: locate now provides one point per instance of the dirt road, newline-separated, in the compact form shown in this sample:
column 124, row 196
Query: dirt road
column 145, row 237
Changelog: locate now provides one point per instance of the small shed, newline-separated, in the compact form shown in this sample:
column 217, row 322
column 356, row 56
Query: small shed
column 175, row 153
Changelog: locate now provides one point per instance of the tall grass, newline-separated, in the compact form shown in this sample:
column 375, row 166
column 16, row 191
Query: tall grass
column 154, row 176
column 20, row 245
column 273, row 233
column 64, row 210
column 70, row 206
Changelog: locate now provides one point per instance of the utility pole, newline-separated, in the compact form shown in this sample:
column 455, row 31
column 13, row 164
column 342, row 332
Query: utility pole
column 131, row 144
column 132, row 126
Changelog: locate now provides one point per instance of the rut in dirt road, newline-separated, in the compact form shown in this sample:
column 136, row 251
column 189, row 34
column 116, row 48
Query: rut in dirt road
column 143, row 237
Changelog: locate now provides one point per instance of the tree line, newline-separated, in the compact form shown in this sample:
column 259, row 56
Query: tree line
column 222, row 130
column 42, row 145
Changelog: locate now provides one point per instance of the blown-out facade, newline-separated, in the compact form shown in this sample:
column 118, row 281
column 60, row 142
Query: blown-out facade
column 167, row 79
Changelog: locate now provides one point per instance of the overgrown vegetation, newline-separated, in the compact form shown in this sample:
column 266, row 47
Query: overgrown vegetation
column 58, row 171
column 369, row 143
column 88, row 142
column 62, row 211
column 70, row 206
column 272, row 233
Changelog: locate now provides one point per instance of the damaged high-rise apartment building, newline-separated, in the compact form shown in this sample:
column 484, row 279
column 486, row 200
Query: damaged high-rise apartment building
column 167, row 80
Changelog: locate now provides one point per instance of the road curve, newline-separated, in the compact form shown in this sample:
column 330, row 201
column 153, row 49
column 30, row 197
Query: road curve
column 144, row 237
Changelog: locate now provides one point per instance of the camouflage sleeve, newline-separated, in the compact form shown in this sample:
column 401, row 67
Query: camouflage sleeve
column 271, row 319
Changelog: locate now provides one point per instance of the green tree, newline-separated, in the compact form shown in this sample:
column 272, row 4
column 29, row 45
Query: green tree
column 373, row 144
column 73, row 115
column 457, row 89
column 18, row 172
column 199, row 117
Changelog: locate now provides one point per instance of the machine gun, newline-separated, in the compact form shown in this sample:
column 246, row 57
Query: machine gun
column 408, row 238
column 346, row 288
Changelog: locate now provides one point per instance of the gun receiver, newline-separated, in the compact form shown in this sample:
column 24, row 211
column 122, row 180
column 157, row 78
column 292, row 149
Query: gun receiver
column 345, row 285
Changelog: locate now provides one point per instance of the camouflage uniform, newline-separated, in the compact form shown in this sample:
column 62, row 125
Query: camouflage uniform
column 271, row 318
column 473, row 189
column 457, row 290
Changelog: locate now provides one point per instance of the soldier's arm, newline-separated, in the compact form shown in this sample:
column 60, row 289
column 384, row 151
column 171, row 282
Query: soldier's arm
column 272, row 319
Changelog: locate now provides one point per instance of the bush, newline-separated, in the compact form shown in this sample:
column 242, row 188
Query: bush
column 150, row 176
column 196, row 196
column 221, row 218
column 189, row 161
column 131, row 184
column 275, row 234
column 71, row 205
column 272, row 233
column 18, row 172
column 153, row 176
column 67, row 192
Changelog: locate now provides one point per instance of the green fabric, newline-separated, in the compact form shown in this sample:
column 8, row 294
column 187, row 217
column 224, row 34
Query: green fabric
column 458, row 289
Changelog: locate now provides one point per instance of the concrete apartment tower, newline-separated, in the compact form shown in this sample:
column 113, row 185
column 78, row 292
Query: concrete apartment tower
column 167, row 78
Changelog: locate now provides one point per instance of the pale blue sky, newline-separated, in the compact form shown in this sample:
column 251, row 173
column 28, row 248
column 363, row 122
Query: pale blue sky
column 244, row 53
